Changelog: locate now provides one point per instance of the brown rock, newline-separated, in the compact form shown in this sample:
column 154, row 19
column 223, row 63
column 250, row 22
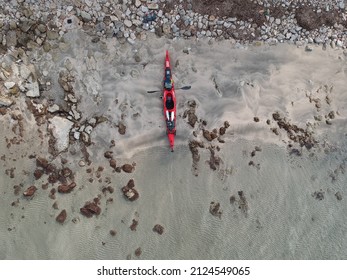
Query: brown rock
column 134, row 225
column 256, row 119
column 3, row 111
column 30, row 191
column 128, row 168
column 55, row 205
column 38, row 173
column 66, row 188
column 207, row 135
column 158, row 229
column 113, row 163
column 215, row 209
column 121, row 128
column 108, row 154
column 130, row 193
column 89, row 209
column 131, row 184
column 338, row 195
column 113, row 232
column 52, row 193
column 61, row 217
column 226, row 124
column 138, row 252
column 66, row 172
column 41, row 162
column 222, row 130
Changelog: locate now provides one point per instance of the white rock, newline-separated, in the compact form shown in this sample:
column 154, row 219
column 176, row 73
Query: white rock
column 130, row 41
column 128, row 23
column 53, row 108
column 92, row 121
column 25, row 72
column 339, row 43
column 69, row 9
column 5, row 101
column 88, row 129
column 9, row 85
column 152, row 6
column 33, row 89
column 76, row 135
column 60, row 128
column 137, row 3
column 278, row 21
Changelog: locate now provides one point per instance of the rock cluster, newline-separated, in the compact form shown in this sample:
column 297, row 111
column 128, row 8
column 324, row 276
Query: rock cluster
column 296, row 134
column 314, row 21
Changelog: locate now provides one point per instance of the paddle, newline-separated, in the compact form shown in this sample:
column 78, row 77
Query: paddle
column 184, row 88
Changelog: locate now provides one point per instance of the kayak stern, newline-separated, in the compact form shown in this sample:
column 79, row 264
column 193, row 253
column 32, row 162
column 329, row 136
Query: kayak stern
column 171, row 137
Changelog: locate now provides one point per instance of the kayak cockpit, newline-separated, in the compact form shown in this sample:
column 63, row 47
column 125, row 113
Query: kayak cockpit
column 169, row 103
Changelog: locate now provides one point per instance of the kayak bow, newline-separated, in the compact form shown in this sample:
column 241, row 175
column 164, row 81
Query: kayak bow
column 169, row 100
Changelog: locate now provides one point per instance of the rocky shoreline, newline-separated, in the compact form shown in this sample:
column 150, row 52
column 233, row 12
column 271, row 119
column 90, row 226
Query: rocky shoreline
column 30, row 25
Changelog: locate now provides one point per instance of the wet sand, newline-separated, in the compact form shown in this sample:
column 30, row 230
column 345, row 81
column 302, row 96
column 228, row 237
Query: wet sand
column 279, row 198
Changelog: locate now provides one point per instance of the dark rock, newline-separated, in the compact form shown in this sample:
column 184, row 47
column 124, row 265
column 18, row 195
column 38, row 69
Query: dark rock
column 215, row 209
column 41, row 162
column 138, row 252
column 30, row 191
column 55, row 205
column 113, row 163
column 131, row 184
column 158, row 229
column 209, row 136
column 128, row 168
column 17, row 189
column 66, row 188
column 61, row 217
column 113, row 232
column 319, row 195
column 52, row 193
column 222, row 130
column 215, row 160
column 130, row 193
column 338, row 196
column 89, row 209
column 38, row 173
column 256, row 119
column 121, row 128
column 66, row 172
column 134, row 225
column 108, row 154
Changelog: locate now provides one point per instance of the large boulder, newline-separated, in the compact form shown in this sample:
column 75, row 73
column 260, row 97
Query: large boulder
column 60, row 128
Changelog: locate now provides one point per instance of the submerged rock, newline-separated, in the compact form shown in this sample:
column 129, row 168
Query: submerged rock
column 61, row 217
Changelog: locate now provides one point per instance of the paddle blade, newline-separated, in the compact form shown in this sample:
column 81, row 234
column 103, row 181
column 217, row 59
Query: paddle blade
column 152, row 91
column 186, row 87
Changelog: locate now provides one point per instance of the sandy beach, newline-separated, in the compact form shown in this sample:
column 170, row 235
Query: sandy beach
column 292, row 203
column 258, row 171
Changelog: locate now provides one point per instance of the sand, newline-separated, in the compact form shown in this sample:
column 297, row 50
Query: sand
column 292, row 204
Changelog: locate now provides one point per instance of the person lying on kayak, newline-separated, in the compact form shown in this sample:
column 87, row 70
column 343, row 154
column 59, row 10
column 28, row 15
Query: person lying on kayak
column 169, row 103
column 168, row 80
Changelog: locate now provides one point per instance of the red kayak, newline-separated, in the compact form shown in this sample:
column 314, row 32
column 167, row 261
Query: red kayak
column 169, row 99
